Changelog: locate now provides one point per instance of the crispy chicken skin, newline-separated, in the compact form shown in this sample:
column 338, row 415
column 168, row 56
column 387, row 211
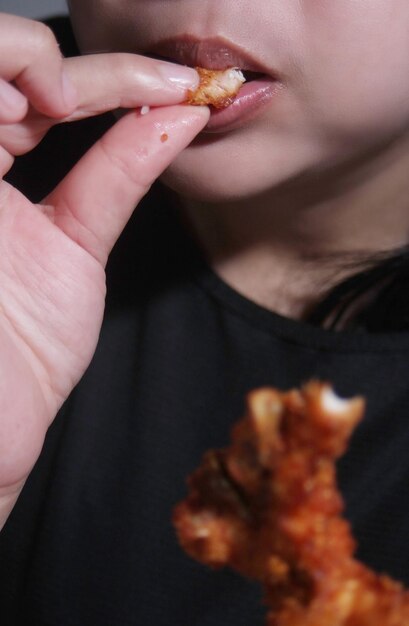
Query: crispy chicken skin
column 268, row 506
column 217, row 87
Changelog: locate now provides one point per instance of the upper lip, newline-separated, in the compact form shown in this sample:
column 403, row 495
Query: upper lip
column 214, row 54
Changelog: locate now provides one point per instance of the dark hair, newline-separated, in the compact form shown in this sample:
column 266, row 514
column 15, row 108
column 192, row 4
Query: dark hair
column 375, row 299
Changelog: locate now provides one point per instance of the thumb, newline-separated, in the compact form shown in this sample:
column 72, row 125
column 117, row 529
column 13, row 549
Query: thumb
column 95, row 200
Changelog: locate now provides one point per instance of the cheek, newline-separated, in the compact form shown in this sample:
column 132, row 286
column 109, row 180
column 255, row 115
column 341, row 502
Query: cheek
column 357, row 66
column 242, row 165
column 360, row 108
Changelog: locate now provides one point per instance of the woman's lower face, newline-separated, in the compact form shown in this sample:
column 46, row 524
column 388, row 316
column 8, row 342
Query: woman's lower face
column 331, row 81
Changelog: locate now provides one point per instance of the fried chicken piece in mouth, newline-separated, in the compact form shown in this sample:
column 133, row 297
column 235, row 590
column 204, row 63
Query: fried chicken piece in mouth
column 268, row 506
column 217, row 87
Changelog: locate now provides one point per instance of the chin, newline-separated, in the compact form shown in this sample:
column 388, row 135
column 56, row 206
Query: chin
column 214, row 171
column 206, row 187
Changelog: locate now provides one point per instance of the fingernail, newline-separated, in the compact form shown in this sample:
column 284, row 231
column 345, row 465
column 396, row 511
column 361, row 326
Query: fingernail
column 179, row 76
column 11, row 99
column 70, row 94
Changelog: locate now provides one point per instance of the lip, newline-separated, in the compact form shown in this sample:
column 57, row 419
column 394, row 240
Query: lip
column 218, row 53
column 252, row 99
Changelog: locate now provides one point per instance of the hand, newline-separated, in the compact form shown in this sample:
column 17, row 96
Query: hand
column 52, row 255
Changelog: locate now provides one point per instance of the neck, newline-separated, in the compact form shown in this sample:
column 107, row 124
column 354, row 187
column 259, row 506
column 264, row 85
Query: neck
column 286, row 249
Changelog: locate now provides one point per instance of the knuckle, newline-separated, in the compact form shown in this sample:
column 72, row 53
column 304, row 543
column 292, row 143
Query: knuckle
column 131, row 166
column 6, row 163
column 18, row 139
column 42, row 40
column 119, row 64
column 124, row 66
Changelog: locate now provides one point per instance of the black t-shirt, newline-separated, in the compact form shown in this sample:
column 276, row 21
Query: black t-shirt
column 90, row 541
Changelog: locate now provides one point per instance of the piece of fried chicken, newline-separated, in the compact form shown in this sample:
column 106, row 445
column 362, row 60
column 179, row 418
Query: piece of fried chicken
column 217, row 87
column 269, row 507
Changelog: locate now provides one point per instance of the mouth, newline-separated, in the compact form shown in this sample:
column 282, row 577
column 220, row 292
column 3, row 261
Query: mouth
column 213, row 54
column 262, row 82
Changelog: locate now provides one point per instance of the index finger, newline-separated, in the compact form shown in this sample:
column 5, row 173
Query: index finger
column 109, row 81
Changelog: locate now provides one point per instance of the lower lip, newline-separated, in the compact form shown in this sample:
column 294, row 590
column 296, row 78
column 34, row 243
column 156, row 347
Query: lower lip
column 252, row 99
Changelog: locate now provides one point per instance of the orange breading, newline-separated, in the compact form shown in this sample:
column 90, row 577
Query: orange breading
column 217, row 87
column 268, row 506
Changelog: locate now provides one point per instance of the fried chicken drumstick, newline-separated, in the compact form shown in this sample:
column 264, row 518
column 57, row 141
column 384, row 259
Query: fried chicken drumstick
column 268, row 506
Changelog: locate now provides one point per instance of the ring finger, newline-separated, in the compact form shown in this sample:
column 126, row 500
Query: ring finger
column 13, row 105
